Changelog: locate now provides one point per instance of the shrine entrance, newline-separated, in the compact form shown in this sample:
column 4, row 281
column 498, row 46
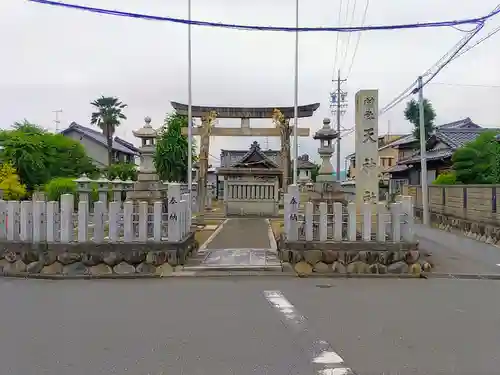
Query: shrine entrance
column 207, row 129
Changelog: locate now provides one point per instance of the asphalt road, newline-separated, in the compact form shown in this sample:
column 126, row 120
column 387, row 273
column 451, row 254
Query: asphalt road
column 454, row 253
column 201, row 326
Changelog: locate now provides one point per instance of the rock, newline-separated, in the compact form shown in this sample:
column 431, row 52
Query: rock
column 178, row 269
column 35, row 267
column 357, row 267
column 100, row 269
column 91, row 259
column 156, row 258
column 330, row 256
column 145, row 268
column 412, row 256
column 124, row 268
column 363, row 256
column 10, row 256
column 77, row 268
column 172, row 258
column 373, row 268
column 68, row 258
column 29, row 257
column 164, row 270
column 287, row 267
column 53, row 269
column 303, row 269
column 338, row 267
column 415, row 269
column 426, row 266
column 482, row 238
column 112, row 258
column 297, row 256
column 382, row 270
column 134, row 257
column 398, row 267
column 321, row 267
column 313, row 256
column 17, row 266
column 48, row 257
column 3, row 264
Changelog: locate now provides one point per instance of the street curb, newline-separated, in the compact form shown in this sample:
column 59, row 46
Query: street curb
column 205, row 274
column 462, row 276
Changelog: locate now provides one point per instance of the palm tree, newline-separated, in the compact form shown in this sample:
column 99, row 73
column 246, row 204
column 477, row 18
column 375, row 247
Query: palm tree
column 108, row 116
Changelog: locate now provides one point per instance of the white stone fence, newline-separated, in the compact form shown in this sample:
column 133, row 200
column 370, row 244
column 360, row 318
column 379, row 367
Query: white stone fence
column 376, row 221
column 55, row 222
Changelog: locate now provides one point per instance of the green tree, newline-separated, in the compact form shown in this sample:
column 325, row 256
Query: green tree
column 412, row 114
column 108, row 116
column 448, row 178
column 477, row 162
column 122, row 171
column 39, row 156
column 314, row 172
column 171, row 156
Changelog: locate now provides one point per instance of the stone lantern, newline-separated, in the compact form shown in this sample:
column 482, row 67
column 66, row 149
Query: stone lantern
column 148, row 188
column 83, row 188
column 103, row 189
column 326, row 135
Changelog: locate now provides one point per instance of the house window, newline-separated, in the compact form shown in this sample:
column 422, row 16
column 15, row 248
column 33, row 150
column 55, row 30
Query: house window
column 390, row 162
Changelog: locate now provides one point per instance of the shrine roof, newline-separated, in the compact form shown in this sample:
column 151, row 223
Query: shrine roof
column 245, row 112
column 255, row 157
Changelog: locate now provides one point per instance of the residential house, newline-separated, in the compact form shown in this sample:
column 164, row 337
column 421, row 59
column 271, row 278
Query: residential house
column 387, row 156
column 96, row 145
column 440, row 147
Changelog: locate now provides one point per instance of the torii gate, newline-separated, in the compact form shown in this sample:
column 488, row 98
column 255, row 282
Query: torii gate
column 206, row 130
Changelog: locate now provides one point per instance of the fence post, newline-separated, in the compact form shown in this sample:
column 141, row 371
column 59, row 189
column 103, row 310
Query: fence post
column 128, row 222
column 83, row 221
column 309, row 221
column 67, row 209
column 52, row 227
column 113, row 220
column 3, row 220
column 143, row 221
column 99, row 210
column 26, row 232
column 39, row 221
column 396, row 221
column 292, row 199
column 352, row 221
column 408, row 229
column 323, row 221
column 337, row 212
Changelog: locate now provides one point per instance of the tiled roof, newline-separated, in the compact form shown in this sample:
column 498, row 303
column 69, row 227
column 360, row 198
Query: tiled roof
column 255, row 150
column 237, row 155
column 119, row 144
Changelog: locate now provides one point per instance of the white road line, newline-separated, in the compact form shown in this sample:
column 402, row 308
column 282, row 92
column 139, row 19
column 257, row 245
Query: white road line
column 498, row 264
column 333, row 364
column 205, row 244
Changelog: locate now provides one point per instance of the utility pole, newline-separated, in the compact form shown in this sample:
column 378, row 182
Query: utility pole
column 338, row 105
column 296, row 97
column 423, row 153
column 57, row 121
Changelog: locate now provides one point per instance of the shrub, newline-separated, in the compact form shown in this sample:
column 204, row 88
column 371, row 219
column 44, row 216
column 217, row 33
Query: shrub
column 448, row 178
column 59, row 186
column 122, row 171
column 10, row 183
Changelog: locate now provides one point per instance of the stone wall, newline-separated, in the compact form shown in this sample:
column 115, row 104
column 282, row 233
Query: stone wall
column 357, row 257
column 471, row 209
column 18, row 258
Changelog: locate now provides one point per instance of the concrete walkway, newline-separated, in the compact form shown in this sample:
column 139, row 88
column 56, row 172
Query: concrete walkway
column 240, row 243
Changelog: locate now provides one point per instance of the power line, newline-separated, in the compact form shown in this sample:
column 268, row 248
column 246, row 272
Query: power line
column 486, row 37
column 348, row 34
column 359, row 38
column 477, row 20
column 337, row 43
column 465, row 85
column 448, row 57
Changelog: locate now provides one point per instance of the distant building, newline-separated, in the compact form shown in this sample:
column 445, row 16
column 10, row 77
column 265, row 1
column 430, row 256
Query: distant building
column 96, row 145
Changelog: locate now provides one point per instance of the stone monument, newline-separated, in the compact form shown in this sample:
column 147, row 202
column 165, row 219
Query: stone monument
column 148, row 187
column 367, row 179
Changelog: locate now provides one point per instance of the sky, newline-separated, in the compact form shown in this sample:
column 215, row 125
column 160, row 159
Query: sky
column 61, row 59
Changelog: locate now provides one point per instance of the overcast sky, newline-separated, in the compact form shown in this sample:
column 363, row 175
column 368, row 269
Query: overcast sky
column 54, row 58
